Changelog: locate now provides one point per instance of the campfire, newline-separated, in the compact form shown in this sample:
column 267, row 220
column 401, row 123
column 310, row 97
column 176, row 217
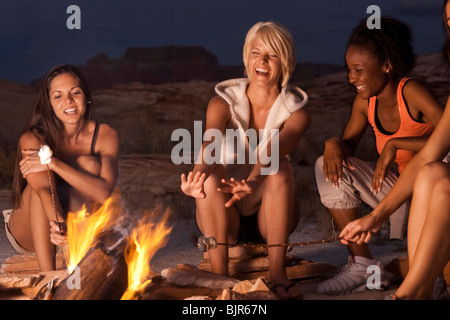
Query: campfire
column 83, row 230
column 145, row 240
column 106, row 232
column 108, row 257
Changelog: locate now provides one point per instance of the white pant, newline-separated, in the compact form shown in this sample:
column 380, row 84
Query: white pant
column 355, row 189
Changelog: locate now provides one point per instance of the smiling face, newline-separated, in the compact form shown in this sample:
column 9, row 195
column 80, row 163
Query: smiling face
column 263, row 66
column 67, row 98
column 365, row 72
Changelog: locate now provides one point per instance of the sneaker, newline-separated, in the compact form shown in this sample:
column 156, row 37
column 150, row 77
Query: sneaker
column 353, row 277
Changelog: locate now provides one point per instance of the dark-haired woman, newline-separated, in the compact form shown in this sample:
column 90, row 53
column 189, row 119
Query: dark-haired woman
column 427, row 179
column 402, row 114
column 83, row 165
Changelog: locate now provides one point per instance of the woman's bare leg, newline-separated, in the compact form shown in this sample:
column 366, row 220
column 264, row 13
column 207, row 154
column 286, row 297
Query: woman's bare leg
column 429, row 222
column 215, row 220
column 277, row 219
column 30, row 227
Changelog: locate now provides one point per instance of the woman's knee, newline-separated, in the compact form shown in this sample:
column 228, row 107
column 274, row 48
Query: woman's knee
column 215, row 177
column 90, row 164
column 283, row 178
column 442, row 186
column 318, row 168
column 430, row 173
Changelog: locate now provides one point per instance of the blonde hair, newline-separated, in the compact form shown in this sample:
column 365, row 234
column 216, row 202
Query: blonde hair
column 277, row 39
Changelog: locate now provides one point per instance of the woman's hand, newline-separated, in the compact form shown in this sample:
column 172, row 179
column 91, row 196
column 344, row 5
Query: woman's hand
column 360, row 230
column 193, row 184
column 333, row 160
column 58, row 233
column 239, row 189
column 31, row 163
column 384, row 163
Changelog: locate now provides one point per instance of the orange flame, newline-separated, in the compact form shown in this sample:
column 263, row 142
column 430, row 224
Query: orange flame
column 145, row 240
column 83, row 229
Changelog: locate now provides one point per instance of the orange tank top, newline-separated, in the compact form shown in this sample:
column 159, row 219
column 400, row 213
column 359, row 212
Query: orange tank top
column 408, row 127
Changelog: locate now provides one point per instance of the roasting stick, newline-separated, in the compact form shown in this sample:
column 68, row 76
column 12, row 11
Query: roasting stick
column 205, row 244
column 45, row 155
column 52, row 190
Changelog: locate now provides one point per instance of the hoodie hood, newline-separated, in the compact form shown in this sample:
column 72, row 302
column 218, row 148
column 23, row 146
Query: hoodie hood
column 234, row 92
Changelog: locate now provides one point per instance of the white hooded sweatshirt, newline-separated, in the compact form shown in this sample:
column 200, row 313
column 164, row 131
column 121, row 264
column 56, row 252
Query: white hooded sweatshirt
column 233, row 91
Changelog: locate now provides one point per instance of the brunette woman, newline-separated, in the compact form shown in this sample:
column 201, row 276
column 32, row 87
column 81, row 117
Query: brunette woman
column 81, row 171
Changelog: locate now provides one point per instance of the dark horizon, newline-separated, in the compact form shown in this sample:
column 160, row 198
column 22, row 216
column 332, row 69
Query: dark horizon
column 35, row 37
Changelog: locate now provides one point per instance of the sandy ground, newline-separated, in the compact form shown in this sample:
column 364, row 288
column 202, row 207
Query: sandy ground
column 180, row 249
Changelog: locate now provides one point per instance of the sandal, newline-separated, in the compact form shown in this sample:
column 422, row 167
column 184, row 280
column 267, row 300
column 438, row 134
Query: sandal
column 287, row 288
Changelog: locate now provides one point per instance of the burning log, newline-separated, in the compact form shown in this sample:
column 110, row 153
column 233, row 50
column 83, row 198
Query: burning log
column 101, row 274
column 118, row 264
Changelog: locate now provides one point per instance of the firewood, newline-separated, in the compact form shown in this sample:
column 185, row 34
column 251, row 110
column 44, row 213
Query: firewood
column 198, row 298
column 258, row 266
column 18, row 280
column 249, row 290
column 198, row 278
column 301, row 270
column 102, row 272
column 57, row 275
column 229, row 294
column 20, row 263
column 168, row 291
column 260, row 285
column 243, row 286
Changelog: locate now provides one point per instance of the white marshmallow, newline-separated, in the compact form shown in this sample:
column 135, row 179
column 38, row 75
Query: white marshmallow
column 45, row 153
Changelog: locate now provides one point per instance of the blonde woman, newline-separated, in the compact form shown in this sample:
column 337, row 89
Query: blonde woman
column 229, row 193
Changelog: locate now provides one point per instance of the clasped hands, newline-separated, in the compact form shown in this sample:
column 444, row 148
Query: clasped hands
column 31, row 163
column 192, row 185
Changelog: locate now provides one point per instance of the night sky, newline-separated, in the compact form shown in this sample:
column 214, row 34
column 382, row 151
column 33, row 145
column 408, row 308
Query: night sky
column 34, row 36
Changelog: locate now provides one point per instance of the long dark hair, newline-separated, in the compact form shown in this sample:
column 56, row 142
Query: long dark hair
column 44, row 123
column 393, row 43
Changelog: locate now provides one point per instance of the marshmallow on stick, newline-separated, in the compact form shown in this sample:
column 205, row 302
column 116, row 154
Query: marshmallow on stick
column 45, row 153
